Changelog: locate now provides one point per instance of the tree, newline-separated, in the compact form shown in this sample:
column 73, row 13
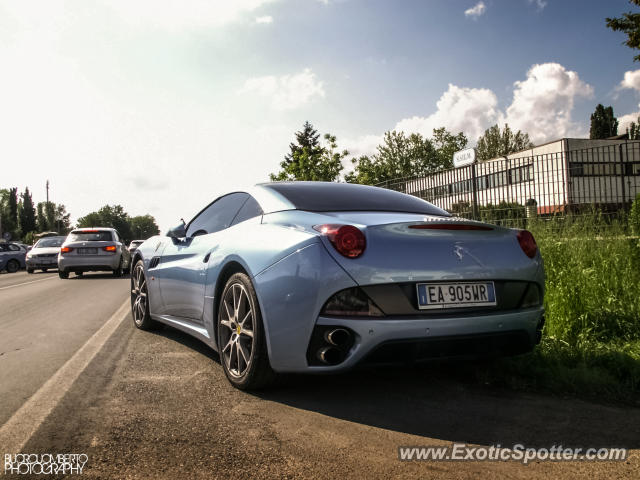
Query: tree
column 629, row 24
column 143, row 227
column 27, row 213
column 9, row 211
column 308, row 160
column 495, row 143
column 53, row 217
column 603, row 123
column 401, row 156
column 633, row 130
column 109, row 216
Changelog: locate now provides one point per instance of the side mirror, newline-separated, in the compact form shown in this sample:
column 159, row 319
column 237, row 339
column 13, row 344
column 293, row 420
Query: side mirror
column 178, row 231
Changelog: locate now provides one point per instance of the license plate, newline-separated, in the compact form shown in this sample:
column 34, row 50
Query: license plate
column 456, row 295
column 87, row 251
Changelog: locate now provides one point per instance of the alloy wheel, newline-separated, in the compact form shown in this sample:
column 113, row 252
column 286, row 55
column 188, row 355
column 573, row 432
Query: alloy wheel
column 139, row 295
column 237, row 322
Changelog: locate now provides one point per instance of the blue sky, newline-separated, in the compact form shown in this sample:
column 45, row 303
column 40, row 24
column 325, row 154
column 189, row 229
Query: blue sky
column 162, row 105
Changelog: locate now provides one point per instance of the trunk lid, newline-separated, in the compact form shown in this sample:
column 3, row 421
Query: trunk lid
column 417, row 248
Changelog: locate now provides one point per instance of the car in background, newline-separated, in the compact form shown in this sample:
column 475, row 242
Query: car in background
column 24, row 246
column 133, row 246
column 12, row 257
column 93, row 250
column 44, row 254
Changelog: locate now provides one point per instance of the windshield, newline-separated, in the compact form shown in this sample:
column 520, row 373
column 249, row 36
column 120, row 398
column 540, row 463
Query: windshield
column 49, row 242
column 95, row 236
column 336, row 197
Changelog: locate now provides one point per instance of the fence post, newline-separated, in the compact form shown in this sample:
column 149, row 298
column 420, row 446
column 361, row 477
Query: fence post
column 624, row 194
column 474, row 191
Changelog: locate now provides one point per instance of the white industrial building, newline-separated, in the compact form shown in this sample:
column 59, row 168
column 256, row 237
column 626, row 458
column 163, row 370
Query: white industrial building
column 555, row 177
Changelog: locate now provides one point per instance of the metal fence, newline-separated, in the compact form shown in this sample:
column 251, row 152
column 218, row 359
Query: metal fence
column 510, row 190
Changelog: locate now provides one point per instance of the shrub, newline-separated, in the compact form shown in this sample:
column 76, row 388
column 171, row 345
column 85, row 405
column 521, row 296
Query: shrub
column 634, row 216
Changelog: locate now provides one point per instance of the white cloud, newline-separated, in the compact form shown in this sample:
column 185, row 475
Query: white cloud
column 539, row 3
column 625, row 120
column 468, row 110
column 542, row 106
column 631, row 80
column 476, row 11
column 264, row 19
column 286, row 92
column 543, row 103
column 176, row 14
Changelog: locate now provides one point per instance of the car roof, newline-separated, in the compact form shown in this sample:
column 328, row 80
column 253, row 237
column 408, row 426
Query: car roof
column 93, row 229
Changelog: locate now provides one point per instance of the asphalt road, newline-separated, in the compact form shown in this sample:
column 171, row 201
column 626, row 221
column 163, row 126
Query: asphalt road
column 157, row 405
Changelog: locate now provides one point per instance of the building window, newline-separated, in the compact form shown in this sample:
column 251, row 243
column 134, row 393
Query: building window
column 594, row 169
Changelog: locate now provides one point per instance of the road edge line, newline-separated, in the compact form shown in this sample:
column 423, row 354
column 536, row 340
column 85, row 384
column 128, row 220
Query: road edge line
column 25, row 421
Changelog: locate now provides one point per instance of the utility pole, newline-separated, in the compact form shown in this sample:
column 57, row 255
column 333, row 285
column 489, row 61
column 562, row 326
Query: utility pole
column 47, row 192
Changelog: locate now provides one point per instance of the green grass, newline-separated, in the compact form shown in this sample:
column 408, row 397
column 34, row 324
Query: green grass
column 591, row 343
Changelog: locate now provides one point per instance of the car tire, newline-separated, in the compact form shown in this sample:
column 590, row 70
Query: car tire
column 62, row 274
column 140, row 300
column 45, row 269
column 242, row 344
column 118, row 271
column 30, row 270
column 12, row 266
column 79, row 274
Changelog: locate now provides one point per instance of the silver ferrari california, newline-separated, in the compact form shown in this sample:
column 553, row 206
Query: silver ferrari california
column 319, row 277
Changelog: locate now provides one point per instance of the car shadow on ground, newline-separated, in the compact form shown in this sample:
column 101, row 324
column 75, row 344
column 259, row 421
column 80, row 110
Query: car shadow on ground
column 96, row 276
column 439, row 400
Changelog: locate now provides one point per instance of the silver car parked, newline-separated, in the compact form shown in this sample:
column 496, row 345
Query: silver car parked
column 44, row 254
column 93, row 250
column 12, row 257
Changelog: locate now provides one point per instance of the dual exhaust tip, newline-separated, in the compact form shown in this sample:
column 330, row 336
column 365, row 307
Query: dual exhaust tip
column 338, row 339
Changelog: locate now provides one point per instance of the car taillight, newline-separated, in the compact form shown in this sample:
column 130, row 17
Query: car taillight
column 348, row 240
column 352, row 302
column 527, row 243
column 66, row 249
column 109, row 248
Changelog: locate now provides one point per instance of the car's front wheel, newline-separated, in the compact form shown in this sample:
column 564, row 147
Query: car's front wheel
column 140, row 299
column 13, row 266
column 30, row 270
column 63, row 274
column 241, row 339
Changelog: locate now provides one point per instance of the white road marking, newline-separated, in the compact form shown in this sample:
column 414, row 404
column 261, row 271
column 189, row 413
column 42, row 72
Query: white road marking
column 17, row 431
column 27, row 283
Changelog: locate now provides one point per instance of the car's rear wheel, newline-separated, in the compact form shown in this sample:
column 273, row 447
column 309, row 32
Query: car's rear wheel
column 118, row 271
column 45, row 269
column 241, row 339
column 63, row 274
column 79, row 274
column 12, row 266
column 140, row 299
column 30, row 270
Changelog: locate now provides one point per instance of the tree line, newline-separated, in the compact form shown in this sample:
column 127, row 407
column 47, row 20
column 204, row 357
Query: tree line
column 402, row 155
column 23, row 220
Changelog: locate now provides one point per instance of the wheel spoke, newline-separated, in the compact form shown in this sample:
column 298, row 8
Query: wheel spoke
column 226, row 323
column 226, row 307
column 245, row 318
column 248, row 333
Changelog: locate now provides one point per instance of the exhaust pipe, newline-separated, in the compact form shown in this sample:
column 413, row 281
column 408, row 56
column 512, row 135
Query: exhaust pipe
column 330, row 355
column 337, row 336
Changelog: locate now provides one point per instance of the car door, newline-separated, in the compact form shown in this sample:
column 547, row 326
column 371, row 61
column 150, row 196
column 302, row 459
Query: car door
column 181, row 272
column 4, row 254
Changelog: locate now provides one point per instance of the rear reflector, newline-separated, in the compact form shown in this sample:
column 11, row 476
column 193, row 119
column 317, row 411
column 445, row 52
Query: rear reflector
column 66, row 249
column 448, row 226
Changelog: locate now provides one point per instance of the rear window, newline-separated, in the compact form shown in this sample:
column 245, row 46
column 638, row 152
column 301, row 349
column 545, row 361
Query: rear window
column 90, row 237
column 335, row 197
